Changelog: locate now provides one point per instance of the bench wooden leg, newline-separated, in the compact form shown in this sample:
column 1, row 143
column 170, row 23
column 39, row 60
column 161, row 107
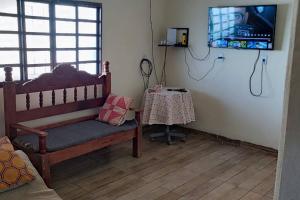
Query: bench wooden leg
column 45, row 170
column 41, row 163
column 137, row 143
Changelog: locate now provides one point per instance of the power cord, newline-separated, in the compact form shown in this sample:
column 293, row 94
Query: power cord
column 200, row 59
column 146, row 74
column 163, row 80
column 205, row 75
column 261, row 78
column 152, row 42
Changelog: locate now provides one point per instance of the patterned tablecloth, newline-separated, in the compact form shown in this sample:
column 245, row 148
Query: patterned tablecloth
column 168, row 107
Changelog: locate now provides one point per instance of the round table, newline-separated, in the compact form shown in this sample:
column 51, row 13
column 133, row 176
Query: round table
column 169, row 106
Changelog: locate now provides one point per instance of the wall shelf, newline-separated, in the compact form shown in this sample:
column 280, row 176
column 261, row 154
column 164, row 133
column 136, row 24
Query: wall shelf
column 175, row 45
column 174, row 35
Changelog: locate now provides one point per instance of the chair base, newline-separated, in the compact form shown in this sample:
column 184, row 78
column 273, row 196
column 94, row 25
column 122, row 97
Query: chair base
column 168, row 136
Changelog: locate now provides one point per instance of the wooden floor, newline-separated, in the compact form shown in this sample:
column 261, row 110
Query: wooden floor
column 198, row 169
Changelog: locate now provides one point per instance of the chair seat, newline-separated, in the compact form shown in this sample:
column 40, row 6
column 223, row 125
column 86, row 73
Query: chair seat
column 74, row 134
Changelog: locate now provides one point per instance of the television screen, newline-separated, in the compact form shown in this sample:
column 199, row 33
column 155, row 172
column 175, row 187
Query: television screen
column 242, row 27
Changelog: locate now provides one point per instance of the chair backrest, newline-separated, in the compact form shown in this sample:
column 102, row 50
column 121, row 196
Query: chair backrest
column 63, row 77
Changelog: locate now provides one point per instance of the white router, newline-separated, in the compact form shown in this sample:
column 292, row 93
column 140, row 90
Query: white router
column 172, row 36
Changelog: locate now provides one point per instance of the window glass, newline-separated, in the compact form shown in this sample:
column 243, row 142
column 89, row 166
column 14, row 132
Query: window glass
column 90, row 68
column 9, row 57
column 16, row 74
column 38, row 41
column 8, row 23
column 36, row 9
column 65, row 56
column 65, row 27
column 8, row 6
column 87, row 13
column 34, row 72
column 38, row 57
column 87, row 55
column 37, row 25
column 67, row 12
column 87, row 41
column 9, row 40
column 2, row 75
column 65, row 42
column 87, row 27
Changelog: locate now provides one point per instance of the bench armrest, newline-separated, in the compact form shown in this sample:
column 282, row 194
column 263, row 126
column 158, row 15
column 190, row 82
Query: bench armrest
column 29, row 130
column 136, row 109
column 42, row 135
column 138, row 114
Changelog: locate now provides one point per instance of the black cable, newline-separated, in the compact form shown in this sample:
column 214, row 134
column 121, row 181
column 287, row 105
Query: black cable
column 200, row 59
column 152, row 43
column 261, row 80
column 146, row 74
column 189, row 70
column 163, row 72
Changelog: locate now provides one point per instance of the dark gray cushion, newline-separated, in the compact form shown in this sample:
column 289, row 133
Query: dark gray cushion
column 74, row 134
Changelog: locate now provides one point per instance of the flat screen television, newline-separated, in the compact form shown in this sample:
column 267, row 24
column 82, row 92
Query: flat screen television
column 242, row 27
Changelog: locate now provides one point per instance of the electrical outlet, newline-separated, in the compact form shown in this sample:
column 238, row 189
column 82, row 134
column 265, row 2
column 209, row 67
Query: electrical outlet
column 264, row 59
column 221, row 56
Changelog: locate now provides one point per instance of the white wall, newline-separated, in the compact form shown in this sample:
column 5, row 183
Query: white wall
column 126, row 39
column 222, row 101
column 287, row 182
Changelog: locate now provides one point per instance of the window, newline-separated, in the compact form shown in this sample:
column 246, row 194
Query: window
column 36, row 35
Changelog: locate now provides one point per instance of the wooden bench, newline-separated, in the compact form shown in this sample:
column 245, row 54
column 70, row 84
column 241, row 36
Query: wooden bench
column 53, row 143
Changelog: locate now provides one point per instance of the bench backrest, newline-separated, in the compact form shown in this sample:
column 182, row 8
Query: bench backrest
column 63, row 77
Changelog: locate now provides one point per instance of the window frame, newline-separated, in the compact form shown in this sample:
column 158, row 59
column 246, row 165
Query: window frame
column 52, row 19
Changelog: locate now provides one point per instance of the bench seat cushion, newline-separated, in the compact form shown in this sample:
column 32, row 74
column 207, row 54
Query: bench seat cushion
column 74, row 134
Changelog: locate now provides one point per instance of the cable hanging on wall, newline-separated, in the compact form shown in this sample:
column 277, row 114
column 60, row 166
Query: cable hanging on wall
column 151, row 64
column 146, row 73
column 163, row 80
column 261, row 77
column 189, row 70
column 197, row 58
column 152, row 41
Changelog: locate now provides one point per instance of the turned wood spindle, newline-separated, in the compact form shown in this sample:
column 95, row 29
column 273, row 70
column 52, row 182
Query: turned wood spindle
column 106, row 67
column 65, row 95
column 8, row 74
column 27, row 101
column 95, row 91
column 85, row 92
column 107, row 80
column 53, row 97
column 75, row 94
column 41, row 99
